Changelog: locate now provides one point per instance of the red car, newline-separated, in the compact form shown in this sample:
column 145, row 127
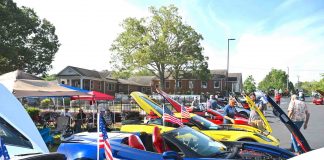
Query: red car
column 318, row 100
column 212, row 115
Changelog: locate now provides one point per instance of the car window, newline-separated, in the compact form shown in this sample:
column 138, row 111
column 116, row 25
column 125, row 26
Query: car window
column 11, row 136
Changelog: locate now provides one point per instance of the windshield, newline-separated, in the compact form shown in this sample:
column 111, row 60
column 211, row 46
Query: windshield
column 196, row 141
column 11, row 136
column 203, row 122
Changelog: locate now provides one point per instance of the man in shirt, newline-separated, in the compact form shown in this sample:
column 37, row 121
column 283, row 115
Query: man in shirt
column 299, row 114
column 229, row 112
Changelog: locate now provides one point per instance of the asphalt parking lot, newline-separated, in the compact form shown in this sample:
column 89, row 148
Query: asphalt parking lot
column 314, row 132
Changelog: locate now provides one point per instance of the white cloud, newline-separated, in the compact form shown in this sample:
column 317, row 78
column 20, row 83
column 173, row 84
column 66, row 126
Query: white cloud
column 85, row 29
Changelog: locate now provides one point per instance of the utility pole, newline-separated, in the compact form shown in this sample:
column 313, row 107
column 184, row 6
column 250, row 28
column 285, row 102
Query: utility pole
column 228, row 40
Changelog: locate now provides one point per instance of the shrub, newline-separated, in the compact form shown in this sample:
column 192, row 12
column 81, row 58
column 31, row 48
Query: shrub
column 45, row 102
column 33, row 113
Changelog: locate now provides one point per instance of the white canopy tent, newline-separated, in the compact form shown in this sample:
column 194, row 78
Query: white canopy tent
column 34, row 87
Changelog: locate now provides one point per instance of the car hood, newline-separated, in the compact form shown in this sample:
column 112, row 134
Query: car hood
column 15, row 114
column 147, row 104
column 253, row 107
column 173, row 103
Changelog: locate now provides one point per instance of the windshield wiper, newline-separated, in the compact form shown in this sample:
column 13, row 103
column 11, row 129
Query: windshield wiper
column 27, row 154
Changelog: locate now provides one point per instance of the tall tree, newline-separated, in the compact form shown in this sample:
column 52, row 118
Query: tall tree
column 249, row 84
column 26, row 42
column 161, row 43
column 275, row 79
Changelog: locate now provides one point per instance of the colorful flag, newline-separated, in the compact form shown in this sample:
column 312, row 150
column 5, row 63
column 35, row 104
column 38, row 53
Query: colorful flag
column 103, row 139
column 184, row 112
column 168, row 116
column 4, row 155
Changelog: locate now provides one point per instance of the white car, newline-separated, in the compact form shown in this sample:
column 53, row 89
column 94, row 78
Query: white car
column 18, row 131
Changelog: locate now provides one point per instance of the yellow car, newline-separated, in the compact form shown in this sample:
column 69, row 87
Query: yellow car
column 217, row 132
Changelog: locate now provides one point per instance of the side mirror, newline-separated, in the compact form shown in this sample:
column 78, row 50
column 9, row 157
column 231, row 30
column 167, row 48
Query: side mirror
column 171, row 155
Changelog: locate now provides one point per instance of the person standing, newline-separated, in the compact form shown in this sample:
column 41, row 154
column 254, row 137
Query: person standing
column 255, row 119
column 194, row 103
column 278, row 98
column 229, row 112
column 299, row 114
column 80, row 119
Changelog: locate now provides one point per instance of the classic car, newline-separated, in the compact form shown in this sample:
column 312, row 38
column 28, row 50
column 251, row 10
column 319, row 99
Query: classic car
column 181, row 143
column 215, row 116
column 217, row 132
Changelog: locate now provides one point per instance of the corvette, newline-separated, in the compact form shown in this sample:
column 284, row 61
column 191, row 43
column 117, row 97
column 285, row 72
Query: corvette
column 210, row 114
column 181, row 143
column 217, row 132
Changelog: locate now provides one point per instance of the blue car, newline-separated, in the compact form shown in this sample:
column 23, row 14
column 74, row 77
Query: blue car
column 181, row 143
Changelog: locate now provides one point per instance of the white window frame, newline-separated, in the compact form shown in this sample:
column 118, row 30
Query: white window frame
column 216, row 82
column 179, row 84
column 202, row 85
column 191, row 84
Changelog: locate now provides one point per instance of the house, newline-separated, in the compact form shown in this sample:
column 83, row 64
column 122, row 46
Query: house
column 192, row 85
column 187, row 84
column 88, row 79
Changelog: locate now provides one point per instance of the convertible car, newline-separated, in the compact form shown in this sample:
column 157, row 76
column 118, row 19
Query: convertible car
column 181, row 143
column 215, row 116
column 19, row 133
column 217, row 132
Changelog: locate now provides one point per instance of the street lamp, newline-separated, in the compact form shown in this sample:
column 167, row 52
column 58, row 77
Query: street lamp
column 231, row 39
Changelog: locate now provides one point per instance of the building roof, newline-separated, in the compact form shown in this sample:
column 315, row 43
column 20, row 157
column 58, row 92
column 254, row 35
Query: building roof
column 128, row 82
column 143, row 80
column 82, row 72
column 106, row 74
column 19, row 74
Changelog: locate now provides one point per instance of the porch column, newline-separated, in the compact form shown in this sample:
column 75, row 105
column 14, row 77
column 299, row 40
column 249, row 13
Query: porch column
column 81, row 83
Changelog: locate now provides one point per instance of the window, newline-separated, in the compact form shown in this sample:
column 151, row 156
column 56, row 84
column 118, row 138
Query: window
column 179, row 84
column 191, row 84
column 167, row 84
column 203, row 84
column 111, row 86
column 91, row 84
column 216, row 84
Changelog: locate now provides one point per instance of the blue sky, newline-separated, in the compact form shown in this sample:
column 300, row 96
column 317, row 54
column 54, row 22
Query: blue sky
column 269, row 34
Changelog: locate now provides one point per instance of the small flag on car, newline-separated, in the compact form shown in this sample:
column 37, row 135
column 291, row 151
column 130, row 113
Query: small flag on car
column 4, row 155
column 184, row 112
column 103, row 139
column 168, row 116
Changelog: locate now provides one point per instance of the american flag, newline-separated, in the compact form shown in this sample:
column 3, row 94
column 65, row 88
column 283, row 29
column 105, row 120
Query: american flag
column 168, row 116
column 184, row 112
column 103, row 139
column 4, row 155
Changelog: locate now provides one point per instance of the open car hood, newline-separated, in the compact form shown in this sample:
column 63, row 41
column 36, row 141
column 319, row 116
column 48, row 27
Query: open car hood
column 146, row 103
column 14, row 114
column 173, row 103
column 253, row 107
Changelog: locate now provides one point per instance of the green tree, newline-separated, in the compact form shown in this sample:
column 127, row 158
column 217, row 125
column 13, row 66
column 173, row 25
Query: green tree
column 26, row 42
column 161, row 43
column 249, row 84
column 276, row 79
column 51, row 77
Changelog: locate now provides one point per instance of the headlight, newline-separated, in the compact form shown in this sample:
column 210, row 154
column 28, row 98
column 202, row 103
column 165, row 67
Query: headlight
column 263, row 137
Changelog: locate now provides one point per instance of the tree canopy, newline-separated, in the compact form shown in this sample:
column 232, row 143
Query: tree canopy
column 313, row 85
column 161, row 43
column 249, row 84
column 26, row 42
column 275, row 79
